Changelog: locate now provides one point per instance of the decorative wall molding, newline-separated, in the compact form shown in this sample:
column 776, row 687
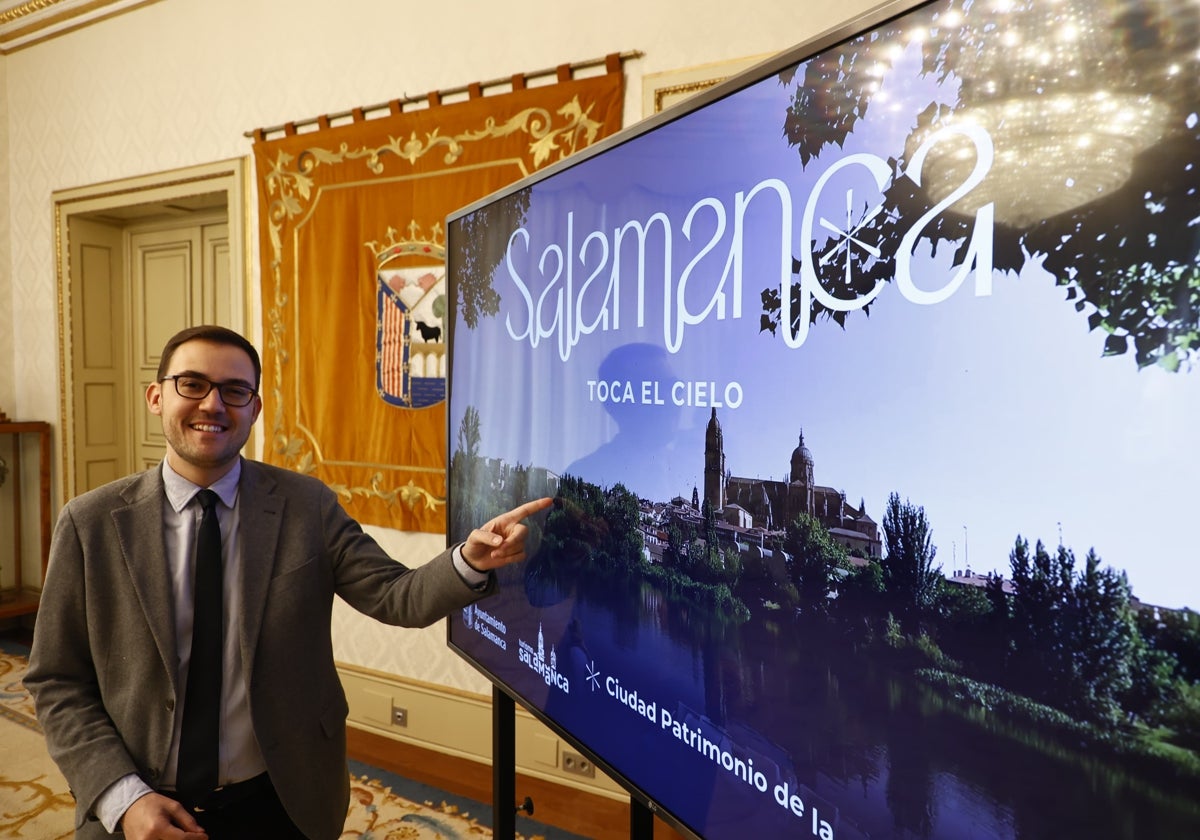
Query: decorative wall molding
column 27, row 22
column 662, row 90
column 458, row 724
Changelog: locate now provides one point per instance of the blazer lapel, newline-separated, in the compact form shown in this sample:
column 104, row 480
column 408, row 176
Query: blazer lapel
column 261, row 516
column 140, row 532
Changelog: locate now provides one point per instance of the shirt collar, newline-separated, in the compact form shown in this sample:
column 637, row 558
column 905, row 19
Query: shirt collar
column 180, row 491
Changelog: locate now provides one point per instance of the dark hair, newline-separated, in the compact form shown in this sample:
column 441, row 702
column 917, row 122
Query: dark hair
column 214, row 334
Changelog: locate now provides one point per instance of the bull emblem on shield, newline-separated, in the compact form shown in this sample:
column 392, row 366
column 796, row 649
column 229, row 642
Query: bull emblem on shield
column 410, row 350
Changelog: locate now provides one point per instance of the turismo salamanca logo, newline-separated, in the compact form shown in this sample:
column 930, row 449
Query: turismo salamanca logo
column 547, row 669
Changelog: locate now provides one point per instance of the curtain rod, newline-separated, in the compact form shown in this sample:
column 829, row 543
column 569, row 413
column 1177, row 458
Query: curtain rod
column 325, row 119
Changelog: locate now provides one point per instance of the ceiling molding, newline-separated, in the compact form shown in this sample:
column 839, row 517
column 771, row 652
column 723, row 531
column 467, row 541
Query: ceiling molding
column 24, row 23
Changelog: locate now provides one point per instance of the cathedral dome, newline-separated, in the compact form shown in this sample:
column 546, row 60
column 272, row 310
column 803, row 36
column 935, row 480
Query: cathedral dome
column 802, row 461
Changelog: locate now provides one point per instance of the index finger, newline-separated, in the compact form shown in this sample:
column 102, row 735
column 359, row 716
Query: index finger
column 527, row 509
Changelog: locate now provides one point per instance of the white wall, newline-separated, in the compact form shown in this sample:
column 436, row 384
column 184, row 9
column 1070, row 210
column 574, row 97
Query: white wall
column 176, row 83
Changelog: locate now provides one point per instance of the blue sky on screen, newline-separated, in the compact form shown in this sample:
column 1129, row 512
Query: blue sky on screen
column 996, row 413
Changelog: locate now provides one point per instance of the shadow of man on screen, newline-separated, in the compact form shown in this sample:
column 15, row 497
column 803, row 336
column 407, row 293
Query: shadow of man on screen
column 638, row 379
column 633, row 384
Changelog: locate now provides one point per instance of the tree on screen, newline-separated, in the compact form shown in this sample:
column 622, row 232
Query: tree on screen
column 814, row 559
column 477, row 253
column 1127, row 261
column 1074, row 634
column 465, row 476
column 1176, row 632
column 908, row 569
column 1103, row 640
column 624, row 544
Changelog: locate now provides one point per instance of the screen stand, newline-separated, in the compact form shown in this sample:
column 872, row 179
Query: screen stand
column 504, row 777
column 504, row 766
column 641, row 821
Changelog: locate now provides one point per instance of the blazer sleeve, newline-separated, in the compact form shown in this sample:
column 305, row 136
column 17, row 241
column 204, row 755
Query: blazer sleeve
column 62, row 677
column 386, row 589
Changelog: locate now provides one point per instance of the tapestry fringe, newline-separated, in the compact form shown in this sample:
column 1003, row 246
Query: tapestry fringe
column 519, row 81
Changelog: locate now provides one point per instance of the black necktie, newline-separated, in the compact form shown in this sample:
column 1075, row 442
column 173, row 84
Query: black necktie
column 200, row 737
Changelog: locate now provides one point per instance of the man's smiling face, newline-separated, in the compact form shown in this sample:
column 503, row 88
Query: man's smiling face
column 204, row 436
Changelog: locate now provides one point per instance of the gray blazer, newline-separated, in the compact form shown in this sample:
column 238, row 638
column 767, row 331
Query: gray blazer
column 102, row 669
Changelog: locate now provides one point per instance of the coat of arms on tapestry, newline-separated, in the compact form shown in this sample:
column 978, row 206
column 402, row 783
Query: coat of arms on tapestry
column 410, row 361
column 411, row 308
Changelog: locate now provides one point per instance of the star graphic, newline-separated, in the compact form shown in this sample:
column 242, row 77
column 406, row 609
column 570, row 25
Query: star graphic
column 593, row 675
column 846, row 239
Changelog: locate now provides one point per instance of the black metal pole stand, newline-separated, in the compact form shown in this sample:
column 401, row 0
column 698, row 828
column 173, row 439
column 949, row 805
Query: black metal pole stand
column 504, row 777
column 504, row 766
column 641, row 821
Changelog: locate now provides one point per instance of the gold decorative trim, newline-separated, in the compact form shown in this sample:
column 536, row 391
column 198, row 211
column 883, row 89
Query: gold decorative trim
column 295, row 184
column 662, row 90
column 18, row 12
column 661, row 94
column 65, row 347
column 151, row 185
column 14, row 36
column 409, row 494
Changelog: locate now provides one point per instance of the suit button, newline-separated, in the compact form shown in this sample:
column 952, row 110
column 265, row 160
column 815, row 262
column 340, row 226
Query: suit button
column 170, row 704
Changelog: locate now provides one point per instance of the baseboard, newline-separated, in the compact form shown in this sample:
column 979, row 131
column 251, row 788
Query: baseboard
column 446, row 742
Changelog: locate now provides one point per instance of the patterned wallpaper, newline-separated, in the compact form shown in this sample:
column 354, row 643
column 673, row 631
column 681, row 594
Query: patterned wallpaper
column 176, row 83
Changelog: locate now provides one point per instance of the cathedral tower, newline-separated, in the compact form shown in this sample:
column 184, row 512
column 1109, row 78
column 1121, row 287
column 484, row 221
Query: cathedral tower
column 714, row 464
column 802, row 490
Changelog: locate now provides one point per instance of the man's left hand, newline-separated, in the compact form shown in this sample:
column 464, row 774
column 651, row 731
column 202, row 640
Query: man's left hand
column 501, row 540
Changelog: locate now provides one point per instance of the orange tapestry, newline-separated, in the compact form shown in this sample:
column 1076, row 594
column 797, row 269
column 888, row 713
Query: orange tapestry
column 352, row 243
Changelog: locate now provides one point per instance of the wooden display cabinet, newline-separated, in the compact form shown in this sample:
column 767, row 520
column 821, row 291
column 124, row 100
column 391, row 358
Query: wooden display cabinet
column 20, row 599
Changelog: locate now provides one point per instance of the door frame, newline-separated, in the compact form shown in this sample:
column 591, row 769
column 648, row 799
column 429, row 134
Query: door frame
column 228, row 176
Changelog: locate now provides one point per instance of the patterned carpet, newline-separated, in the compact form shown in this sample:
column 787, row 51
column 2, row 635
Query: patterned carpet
column 35, row 804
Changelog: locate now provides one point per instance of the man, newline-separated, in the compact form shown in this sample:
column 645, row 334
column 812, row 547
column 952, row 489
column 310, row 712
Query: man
column 113, row 641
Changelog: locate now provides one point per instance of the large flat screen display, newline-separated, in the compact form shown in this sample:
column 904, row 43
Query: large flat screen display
column 868, row 386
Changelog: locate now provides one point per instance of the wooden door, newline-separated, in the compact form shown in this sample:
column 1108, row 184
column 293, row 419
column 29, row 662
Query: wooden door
column 132, row 288
column 100, row 382
column 180, row 278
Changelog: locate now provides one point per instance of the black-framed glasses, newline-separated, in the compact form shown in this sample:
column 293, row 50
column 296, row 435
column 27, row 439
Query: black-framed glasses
column 193, row 387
